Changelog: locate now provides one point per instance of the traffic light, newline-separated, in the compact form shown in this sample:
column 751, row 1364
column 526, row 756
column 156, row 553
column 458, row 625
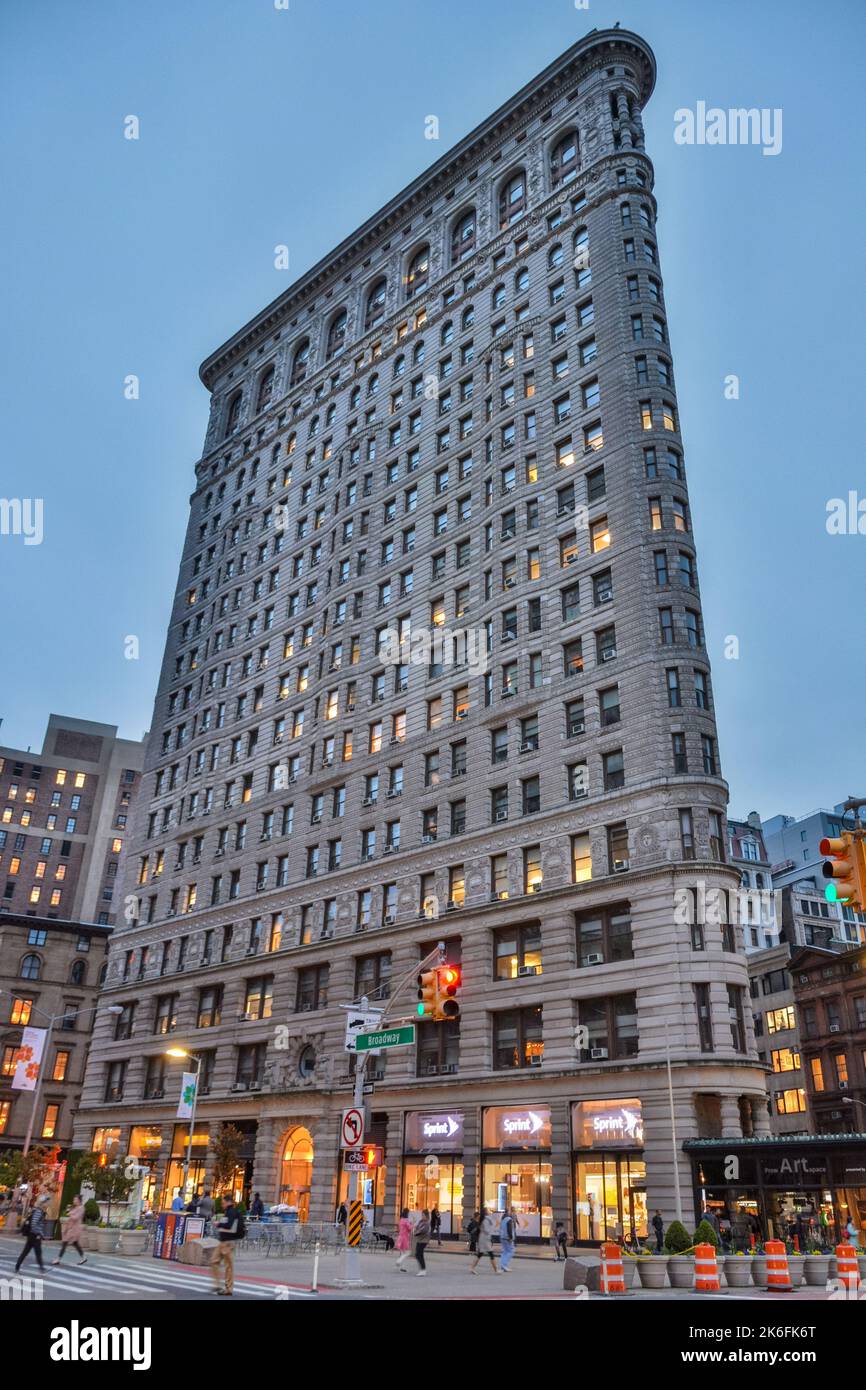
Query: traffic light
column 427, row 994
column 846, row 869
column 450, row 978
column 374, row 1155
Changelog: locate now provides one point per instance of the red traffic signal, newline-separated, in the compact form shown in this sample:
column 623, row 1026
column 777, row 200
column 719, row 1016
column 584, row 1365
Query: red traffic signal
column 374, row 1155
column 450, row 978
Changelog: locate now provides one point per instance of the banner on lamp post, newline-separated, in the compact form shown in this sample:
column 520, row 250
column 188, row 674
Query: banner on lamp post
column 187, row 1096
column 28, row 1059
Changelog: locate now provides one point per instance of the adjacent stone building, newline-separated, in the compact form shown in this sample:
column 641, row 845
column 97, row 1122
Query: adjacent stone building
column 64, row 813
column 49, row 970
column 462, row 420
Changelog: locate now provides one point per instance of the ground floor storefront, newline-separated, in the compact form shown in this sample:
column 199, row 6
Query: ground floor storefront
column 805, row 1189
column 599, row 1165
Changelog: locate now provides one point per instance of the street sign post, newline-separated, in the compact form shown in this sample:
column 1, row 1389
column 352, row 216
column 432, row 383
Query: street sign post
column 386, row 1037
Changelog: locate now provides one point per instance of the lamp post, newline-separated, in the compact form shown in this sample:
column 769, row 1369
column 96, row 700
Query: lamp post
column 52, row 1019
column 849, row 1100
column 191, row 1057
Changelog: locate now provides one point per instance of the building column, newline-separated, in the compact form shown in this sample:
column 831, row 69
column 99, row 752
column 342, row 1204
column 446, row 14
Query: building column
column 732, row 1126
column 265, row 1161
column 326, row 1167
column 394, row 1168
column 472, row 1192
column 560, row 1158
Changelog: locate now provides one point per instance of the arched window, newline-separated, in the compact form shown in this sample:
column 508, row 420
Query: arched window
column 521, row 280
column 512, row 199
column 296, row 1172
column 399, row 365
column 554, row 256
column 373, row 385
column 581, row 258
column 233, row 414
column 564, row 159
column 468, row 317
column 103, row 971
column 447, row 334
column 77, row 973
column 374, row 313
column 336, row 335
column 419, row 352
column 497, row 297
column 291, row 443
column 463, row 237
column 313, row 428
column 31, row 967
column 418, row 272
column 300, row 361
column 266, row 389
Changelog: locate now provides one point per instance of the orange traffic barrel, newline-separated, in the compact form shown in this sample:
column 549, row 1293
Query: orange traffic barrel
column 778, row 1274
column 612, row 1279
column 706, row 1268
column 846, row 1266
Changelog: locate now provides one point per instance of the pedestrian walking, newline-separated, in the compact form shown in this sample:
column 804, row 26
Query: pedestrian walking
column 34, row 1229
column 473, row 1226
column 853, row 1233
column 485, row 1242
column 342, row 1214
column 710, row 1216
column 404, row 1240
column 71, row 1230
column 230, row 1228
column 659, row 1229
column 205, row 1206
column 422, row 1238
column 507, row 1240
column 257, row 1210
column 436, row 1226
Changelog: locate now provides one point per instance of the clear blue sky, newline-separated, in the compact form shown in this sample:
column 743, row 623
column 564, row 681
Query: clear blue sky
column 260, row 126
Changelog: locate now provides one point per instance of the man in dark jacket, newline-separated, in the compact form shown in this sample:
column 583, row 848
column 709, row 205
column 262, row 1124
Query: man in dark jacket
column 37, row 1229
column 257, row 1210
column 229, row 1229
column 659, row 1228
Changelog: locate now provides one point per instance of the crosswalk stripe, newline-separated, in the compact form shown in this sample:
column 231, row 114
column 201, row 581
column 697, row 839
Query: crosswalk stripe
column 96, row 1277
column 187, row 1275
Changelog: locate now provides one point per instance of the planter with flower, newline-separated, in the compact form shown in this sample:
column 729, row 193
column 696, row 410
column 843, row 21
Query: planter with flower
column 681, row 1264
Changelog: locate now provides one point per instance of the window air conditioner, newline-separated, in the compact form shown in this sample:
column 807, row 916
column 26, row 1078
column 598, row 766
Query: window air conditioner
column 527, row 969
column 834, row 1027
column 501, row 815
column 609, row 655
column 598, row 1054
column 596, row 958
column 535, row 1060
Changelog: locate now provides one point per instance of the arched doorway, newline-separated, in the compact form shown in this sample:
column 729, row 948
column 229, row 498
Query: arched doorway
column 296, row 1171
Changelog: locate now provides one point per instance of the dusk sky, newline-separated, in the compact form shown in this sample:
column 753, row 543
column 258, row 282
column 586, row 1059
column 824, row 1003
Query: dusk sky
column 262, row 126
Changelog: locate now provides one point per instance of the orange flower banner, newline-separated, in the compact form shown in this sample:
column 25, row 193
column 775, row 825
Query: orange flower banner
column 28, row 1059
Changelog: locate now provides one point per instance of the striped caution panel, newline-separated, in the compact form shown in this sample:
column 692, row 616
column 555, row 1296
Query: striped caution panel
column 356, row 1221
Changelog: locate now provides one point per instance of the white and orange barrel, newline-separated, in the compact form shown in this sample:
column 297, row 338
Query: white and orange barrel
column 846, row 1266
column 778, row 1274
column 706, row 1268
column 612, row 1279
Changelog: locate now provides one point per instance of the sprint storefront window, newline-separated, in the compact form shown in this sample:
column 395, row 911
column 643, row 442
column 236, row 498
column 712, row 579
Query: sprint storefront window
column 609, row 1169
column 433, row 1165
column 516, row 1166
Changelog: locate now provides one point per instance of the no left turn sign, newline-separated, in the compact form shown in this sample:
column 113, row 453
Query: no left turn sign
column 352, row 1129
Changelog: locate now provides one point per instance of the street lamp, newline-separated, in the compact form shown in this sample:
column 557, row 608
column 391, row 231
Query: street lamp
column 52, row 1019
column 849, row 1100
column 189, row 1056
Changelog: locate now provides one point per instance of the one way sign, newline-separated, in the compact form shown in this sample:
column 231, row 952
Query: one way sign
column 360, row 1022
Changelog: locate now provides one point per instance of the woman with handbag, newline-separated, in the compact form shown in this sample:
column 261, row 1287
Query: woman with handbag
column 71, row 1229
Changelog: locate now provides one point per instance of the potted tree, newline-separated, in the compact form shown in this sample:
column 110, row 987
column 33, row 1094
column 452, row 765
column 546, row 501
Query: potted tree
column 225, row 1146
column 816, row 1265
column 91, row 1221
column 681, row 1264
column 110, row 1185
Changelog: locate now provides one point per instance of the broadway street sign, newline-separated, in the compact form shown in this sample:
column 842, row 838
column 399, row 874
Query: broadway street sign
column 388, row 1037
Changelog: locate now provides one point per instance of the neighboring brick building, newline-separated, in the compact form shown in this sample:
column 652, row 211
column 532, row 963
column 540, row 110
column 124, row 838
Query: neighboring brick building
column 463, row 415
column 48, row 968
column 64, row 813
column 830, row 997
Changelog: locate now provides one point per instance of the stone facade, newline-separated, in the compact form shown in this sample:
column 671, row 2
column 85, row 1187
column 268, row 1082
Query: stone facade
column 492, row 442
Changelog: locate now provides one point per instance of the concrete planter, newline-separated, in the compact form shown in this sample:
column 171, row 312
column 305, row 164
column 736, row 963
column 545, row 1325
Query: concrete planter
column 681, row 1271
column 652, row 1271
column 738, row 1271
column 861, row 1265
column 133, row 1242
column 797, row 1270
column 817, row 1268
column 628, row 1271
column 759, row 1270
column 88, row 1237
column 106, row 1239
